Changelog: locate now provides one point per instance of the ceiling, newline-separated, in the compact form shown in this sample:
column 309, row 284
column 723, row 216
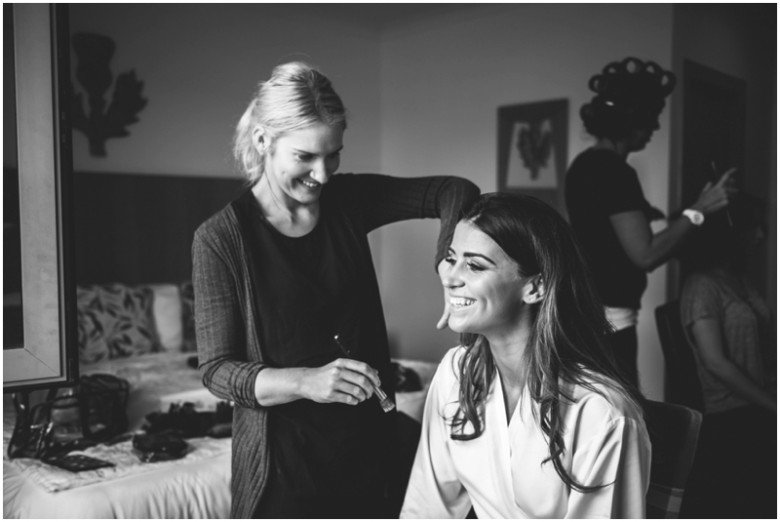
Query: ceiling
column 382, row 15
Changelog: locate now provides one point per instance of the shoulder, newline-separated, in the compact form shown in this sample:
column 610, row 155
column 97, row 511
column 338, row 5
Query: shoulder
column 592, row 158
column 699, row 280
column 340, row 181
column 697, row 287
column 222, row 231
column 447, row 372
column 604, row 416
column 600, row 403
column 343, row 187
column 445, row 384
column 599, row 170
column 347, row 182
column 218, row 224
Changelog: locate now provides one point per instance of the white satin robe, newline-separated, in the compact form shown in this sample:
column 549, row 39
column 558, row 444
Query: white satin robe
column 501, row 472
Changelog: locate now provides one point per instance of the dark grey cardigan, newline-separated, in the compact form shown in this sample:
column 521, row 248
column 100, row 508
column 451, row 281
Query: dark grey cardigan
column 224, row 296
column 231, row 357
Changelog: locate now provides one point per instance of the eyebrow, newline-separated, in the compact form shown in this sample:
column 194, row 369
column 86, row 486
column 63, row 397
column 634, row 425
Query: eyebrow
column 475, row 254
column 302, row 151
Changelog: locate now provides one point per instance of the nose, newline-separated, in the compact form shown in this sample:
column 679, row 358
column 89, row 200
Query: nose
column 320, row 172
column 450, row 275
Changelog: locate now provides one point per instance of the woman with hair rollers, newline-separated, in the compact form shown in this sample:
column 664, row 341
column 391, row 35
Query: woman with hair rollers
column 528, row 417
column 607, row 207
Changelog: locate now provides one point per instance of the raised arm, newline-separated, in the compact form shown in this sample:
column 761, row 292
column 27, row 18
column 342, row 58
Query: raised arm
column 647, row 250
column 387, row 199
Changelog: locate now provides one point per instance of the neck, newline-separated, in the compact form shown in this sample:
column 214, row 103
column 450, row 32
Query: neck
column 510, row 354
column 618, row 146
column 287, row 216
column 510, row 357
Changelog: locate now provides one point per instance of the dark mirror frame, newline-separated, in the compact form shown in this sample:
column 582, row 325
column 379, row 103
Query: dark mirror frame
column 49, row 355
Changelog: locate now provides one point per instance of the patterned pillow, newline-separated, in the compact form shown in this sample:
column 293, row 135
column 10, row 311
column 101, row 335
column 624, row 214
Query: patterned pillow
column 115, row 321
column 187, row 293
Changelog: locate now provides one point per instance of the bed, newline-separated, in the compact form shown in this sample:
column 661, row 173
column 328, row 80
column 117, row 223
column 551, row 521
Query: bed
column 159, row 374
column 196, row 486
column 113, row 321
column 143, row 333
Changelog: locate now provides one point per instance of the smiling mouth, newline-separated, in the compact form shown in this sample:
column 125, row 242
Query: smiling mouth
column 309, row 184
column 461, row 302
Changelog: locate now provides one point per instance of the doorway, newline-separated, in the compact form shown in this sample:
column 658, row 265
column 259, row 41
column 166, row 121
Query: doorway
column 714, row 116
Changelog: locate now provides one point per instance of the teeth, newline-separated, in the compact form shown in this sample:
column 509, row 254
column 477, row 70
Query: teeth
column 310, row 184
column 460, row 302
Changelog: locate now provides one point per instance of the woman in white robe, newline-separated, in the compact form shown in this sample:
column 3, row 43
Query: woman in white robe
column 528, row 417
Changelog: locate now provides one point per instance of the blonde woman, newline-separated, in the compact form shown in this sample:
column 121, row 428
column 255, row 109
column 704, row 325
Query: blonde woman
column 277, row 274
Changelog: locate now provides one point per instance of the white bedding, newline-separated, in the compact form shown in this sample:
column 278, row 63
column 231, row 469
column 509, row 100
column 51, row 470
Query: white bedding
column 188, row 488
column 194, row 489
column 197, row 486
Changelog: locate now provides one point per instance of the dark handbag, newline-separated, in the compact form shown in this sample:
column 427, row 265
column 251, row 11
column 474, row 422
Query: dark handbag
column 155, row 447
column 69, row 418
column 103, row 399
column 187, row 422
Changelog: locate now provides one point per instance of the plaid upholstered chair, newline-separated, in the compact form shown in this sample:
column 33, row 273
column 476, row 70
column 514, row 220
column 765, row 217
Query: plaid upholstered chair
column 674, row 435
column 682, row 377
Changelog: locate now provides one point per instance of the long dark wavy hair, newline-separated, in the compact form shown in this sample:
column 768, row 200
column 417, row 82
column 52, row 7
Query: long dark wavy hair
column 569, row 327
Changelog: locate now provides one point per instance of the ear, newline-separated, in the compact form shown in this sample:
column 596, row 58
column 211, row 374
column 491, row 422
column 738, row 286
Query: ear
column 259, row 139
column 534, row 290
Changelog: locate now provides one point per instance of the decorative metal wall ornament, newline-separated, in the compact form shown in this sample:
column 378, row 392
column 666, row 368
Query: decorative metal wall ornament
column 93, row 54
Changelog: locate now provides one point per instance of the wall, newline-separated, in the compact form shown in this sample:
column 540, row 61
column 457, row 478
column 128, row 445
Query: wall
column 422, row 94
column 442, row 81
column 200, row 64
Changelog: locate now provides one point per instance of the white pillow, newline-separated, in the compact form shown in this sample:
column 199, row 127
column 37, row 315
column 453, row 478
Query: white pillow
column 167, row 315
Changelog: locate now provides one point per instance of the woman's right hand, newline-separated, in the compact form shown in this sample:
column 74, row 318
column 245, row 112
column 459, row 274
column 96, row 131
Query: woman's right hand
column 715, row 197
column 347, row 381
column 445, row 317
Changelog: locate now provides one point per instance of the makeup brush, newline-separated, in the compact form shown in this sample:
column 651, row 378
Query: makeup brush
column 384, row 401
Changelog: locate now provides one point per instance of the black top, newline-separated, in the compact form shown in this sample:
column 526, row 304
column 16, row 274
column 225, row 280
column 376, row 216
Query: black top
column 600, row 183
column 231, row 329
column 330, row 460
column 309, row 289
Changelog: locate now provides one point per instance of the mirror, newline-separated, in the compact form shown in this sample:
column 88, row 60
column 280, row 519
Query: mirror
column 45, row 355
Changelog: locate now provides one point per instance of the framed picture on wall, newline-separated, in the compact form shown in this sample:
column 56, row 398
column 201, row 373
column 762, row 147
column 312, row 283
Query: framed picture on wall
column 43, row 353
column 532, row 149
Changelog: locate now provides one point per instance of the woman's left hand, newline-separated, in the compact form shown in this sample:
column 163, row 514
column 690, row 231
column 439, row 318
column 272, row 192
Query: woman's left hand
column 715, row 196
